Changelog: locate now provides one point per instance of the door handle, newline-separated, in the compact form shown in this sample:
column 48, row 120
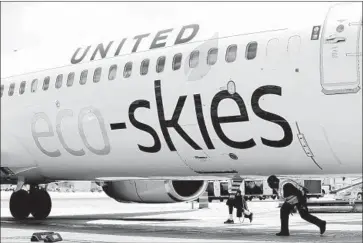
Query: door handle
column 335, row 39
column 355, row 24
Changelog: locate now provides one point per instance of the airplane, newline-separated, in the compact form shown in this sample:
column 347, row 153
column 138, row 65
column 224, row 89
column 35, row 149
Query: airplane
column 153, row 117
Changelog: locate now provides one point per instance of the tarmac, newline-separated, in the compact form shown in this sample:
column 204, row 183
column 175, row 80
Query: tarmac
column 93, row 217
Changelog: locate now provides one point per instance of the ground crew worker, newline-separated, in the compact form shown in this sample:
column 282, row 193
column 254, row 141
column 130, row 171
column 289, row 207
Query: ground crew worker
column 230, row 204
column 295, row 196
column 237, row 201
column 241, row 205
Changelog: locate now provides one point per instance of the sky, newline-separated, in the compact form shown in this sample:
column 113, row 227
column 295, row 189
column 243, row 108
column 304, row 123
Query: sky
column 31, row 30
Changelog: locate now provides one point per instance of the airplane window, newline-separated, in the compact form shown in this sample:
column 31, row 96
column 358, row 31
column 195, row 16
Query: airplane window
column 70, row 79
column 144, row 68
column 251, row 50
column 272, row 48
column 212, row 56
column 231, row 53
column 177, row 61
column 59, row 81
column 112, row 72
column 2, row 90
column 194, row 59
column 22, row 87
column 83, row 78
column 46, row 83
column 34, row 85
column 97, row 75
column 127, row 70
column 11, row 89
column 160, row 64
column 293, row 46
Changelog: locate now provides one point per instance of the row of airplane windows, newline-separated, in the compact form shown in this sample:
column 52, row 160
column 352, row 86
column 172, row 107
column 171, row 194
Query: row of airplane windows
column 212, row 56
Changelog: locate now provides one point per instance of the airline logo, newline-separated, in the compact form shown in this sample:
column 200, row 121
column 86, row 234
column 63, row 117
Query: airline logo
column 168, row 123
column 186, row 34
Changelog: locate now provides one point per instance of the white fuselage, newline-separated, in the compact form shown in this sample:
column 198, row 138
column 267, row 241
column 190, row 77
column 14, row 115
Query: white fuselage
column 284, row 116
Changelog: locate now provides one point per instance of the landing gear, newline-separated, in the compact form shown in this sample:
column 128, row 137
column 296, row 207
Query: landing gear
column 36, row 202
column 40, row 203
column 19, row 204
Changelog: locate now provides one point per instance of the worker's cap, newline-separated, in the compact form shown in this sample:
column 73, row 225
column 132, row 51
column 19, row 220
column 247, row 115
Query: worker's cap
column 272, row 179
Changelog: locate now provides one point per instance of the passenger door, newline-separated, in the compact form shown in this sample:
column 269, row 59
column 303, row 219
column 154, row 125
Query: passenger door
column 340, row 54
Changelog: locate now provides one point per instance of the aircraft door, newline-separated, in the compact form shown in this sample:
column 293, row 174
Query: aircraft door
column 340, row 49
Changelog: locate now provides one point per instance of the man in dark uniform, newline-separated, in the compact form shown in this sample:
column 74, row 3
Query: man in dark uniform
column 295, row 196
column 240, row 204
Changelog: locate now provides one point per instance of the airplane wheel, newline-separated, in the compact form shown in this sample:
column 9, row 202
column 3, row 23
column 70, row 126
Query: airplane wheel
column 19, row 204
column 359, row 196
column 41, row 204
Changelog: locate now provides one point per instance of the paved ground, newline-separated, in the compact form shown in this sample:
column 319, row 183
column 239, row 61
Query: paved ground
column 87, row 217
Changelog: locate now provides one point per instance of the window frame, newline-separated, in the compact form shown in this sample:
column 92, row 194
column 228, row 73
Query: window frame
column 44, row 82
column 194, row 53
column 11, row 90
column 158, row 64
column 109, row 71
column 59, row 81
column 126, row 74
column 228, row 51
column 147, row 67
column 174, row 61
column 73, row 75
column 247, row 50
column 83, row 77
column 22, row 87
column 99, row 69
column 34, row 83
column 209, row 55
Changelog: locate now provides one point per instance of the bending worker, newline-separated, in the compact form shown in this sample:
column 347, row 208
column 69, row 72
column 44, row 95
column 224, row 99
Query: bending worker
column 295, row 196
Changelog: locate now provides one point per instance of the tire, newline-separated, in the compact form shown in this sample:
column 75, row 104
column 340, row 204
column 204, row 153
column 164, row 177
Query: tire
column 359, row 196
column 40, row 203
column 19, row 204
